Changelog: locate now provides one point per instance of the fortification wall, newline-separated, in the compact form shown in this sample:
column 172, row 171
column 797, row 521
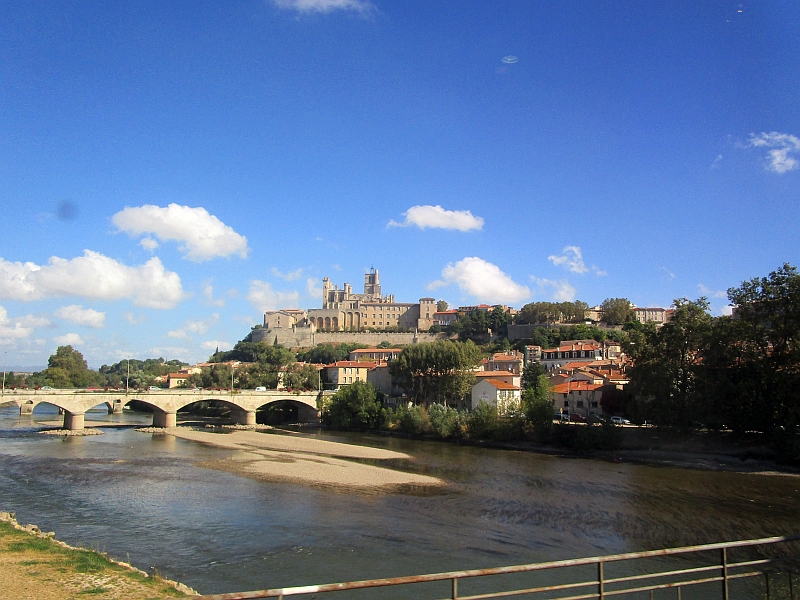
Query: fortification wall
column 302, row 337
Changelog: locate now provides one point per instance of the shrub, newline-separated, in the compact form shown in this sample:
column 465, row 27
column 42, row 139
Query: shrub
column 413, row 420
column 445, row 421
column 482, row 421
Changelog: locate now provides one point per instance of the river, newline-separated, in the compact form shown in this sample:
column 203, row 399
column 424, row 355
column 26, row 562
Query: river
column 147, row 499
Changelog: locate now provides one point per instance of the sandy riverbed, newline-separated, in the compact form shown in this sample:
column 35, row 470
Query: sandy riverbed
column 300, row 459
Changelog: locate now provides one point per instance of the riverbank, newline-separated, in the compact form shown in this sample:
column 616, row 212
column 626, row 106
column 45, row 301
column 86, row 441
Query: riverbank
column 297, row 458
column 35, row 565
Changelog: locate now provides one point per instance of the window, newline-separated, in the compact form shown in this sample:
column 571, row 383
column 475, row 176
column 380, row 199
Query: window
column 580, row 404
column 566, row 403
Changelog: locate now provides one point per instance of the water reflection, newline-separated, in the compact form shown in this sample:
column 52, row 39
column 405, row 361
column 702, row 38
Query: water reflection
column 144, row 496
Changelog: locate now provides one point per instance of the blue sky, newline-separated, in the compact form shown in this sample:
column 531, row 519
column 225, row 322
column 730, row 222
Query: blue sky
column 170, row 170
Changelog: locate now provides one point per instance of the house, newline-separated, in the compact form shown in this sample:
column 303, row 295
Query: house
column 659, row 316
column 345, row 372
column 375, row 354
column 502, row 361
column 570, row 350
column 504, row 376
column 577, row 397
column 505, row 396
column 175, row 380
column 443, row 318
column 286, row 318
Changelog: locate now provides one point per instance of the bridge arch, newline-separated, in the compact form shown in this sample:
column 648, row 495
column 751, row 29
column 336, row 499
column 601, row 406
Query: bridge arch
column 286, row 410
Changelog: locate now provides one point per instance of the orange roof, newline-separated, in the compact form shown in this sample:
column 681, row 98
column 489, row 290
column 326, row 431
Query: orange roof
column 574, row 386
column 502, row 385
column 353, row 363
column 490, row 374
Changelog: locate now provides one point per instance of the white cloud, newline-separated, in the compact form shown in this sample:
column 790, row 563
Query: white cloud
column 669, row 275
column 323, row 6
column 148, row 243
column 214, row 344
column 709, row 293
column 437, row 217
column 190, row 326
column 290, row 276
column 202, row 235
column 782, row 144
column 168, row 352
column 483, row 280
column 727, row 310
column 572, row 260
column 82, row 316
column 12, row 329
column 208, row 294
column 312, row 289
column 133, row 319
column 263, row 297
column 561, row 291
column 92, row 276
column 70, row 339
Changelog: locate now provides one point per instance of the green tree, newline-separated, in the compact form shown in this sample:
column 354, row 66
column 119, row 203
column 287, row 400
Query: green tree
column 530, row 374
column 538, row 409
column 617, row 311
column 445, row 421
column 441, row 306
column 301, row 377
column 482, row 422
column 354, row 406
column 668, row 366
column 67, row 369
column 437, row 371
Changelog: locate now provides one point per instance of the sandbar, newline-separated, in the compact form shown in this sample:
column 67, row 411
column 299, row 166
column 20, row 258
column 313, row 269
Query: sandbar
column 306, row 460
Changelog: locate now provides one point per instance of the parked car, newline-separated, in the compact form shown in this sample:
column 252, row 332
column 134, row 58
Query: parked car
column 154, row 388
column 45, row 387
column 620, row 421
column 261, row 388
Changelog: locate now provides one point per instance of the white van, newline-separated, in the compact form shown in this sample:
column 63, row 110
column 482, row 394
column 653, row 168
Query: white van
column 261, row 388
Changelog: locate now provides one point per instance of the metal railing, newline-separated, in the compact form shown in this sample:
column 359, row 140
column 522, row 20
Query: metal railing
column 721, row 571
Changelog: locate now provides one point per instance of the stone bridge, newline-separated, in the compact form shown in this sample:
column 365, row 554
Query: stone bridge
column 165, row 403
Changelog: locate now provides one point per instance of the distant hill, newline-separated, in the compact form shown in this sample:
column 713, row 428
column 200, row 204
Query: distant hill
column 18, row 369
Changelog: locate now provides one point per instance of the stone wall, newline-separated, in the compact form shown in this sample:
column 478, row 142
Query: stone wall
column 302, row 337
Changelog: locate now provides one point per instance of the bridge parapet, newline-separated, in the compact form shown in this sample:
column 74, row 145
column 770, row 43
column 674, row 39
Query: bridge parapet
column 165, row 403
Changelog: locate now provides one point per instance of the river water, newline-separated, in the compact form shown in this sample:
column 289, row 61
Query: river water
column 148, row 499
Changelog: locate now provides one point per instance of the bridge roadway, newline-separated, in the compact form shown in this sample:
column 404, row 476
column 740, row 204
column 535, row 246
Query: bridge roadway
column 165, row 403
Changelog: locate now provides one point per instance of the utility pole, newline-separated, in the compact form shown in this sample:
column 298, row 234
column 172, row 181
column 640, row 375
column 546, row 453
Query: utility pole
column 128, row 376
column 3, row 393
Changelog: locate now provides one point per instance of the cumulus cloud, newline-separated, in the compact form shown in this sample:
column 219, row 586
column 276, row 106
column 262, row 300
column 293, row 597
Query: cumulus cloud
column 709, row 293
column 208, row 294
column 214, row 344
column 148, row 243
column 560, row 291
column 483, row 280
column 572, row 260
column 82, row 316
column 133, row 319
column 263, row 297
column 92, row 276
column 12, row 329
column 313, row 288
column 323, row 6
column 202, row 236
column 783, row 145
column 70, row 339
column 290, row 276
column 437, row 217
column 190, row 326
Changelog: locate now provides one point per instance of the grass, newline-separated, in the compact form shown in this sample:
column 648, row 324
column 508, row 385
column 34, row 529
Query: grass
column 49, row 555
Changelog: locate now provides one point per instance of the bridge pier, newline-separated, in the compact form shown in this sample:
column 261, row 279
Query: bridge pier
column 243, row 417
column 73, row 421
column 26, row 409
column 162, row 418
column 115, row 408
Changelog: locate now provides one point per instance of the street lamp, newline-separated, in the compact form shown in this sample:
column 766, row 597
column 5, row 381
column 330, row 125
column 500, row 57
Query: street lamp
column 127, row 376
column 3, row 393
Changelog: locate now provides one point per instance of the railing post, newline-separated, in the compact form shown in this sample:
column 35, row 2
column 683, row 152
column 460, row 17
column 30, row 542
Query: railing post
column 455, row 588
column 601, row 593
column 724, row 574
